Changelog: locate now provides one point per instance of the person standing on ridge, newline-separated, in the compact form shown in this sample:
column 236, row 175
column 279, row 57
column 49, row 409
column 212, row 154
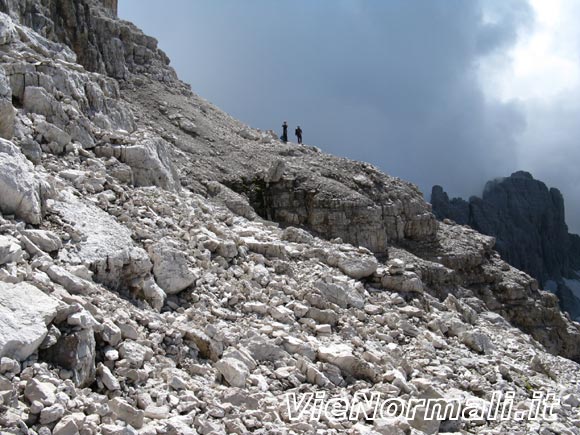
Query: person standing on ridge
column 298, row 133
column 284, row 136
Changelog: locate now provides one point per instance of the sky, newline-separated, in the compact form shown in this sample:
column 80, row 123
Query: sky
column 447, row 92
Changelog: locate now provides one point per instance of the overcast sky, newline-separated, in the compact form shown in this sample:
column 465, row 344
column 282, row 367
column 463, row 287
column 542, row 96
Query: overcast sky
column 448, row 92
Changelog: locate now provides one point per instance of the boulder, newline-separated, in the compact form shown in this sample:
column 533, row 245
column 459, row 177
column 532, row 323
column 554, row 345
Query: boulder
column 396, row 267
column 126, row 412
column 66, row 427
column 51, row 133
column 31, row 150
column 51, row 414
column 136, row 354
column 235, row 202
column 341, row 355
column 45, row 240
column 107, row 378
column 25, row 313
column 22, row 193
column 111, row 333
column 234, row 371
column 73, row 284
column 340, row 293
column 154, row 294
column 106, row 246
column 75, row 352
column 477, row 341
column 43, row 392
column 263, row 349
column 406, row 282
column 10, row 250
column 38, row 100
column 208, row 348
column 170, row 267
column 297, row 235
column 358, row 266
column 149, row 161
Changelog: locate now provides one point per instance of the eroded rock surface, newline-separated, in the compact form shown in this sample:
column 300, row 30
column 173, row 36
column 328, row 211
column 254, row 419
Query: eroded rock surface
column 187, row 271
column 25, row 313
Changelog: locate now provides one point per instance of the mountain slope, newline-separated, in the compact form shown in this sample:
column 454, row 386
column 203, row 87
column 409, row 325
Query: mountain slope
column 166, row 269
column 528, row 221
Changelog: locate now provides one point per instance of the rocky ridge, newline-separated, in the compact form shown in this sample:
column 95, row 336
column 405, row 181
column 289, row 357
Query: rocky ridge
column 188, row 271
column 528, row 221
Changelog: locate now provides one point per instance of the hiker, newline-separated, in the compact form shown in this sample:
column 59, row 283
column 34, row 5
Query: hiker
column 284, row 136
column 298, row 133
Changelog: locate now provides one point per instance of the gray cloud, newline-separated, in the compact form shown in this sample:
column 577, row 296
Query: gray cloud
column 394, row 83
column 551, row 148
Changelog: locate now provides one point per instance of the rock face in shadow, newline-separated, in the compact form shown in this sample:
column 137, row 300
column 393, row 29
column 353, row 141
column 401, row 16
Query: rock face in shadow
column 528, row 221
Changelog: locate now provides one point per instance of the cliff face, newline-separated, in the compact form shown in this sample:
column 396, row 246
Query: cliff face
column 101, row 42
column 165, row 268
column 528, row 221
column 111, row 5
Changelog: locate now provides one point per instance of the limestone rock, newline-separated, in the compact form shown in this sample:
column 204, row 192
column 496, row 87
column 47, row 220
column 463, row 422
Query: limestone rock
column 7, row 30
column 288, row 296
column 234, row 371
column 262, row 349
column 22, row 193
column 31, row 150
column 341, row 356
column 297, row 235
column 208, row 348
column 170, row 267
column 477, row 341
column 72, row 283
column 43, row 392
column 237, row 203
column 275, row 172
column 127, row 413
column 10, row 250
column 45, row 240
column 342, row 294
column 25, row 313
column 406, row 282
column 7, row 111
column 188, row 127
column 107, row 378
column 149, row 161
column 51, row 133
column 528, row 221
column 66, row 427
column 154, row 293
column 136, row 354
column 75, row 352
column 358, row 266
column 106, row 245
column 51, row 414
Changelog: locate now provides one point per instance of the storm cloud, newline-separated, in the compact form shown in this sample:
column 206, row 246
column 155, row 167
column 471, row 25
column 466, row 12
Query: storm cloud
column 400, row 83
